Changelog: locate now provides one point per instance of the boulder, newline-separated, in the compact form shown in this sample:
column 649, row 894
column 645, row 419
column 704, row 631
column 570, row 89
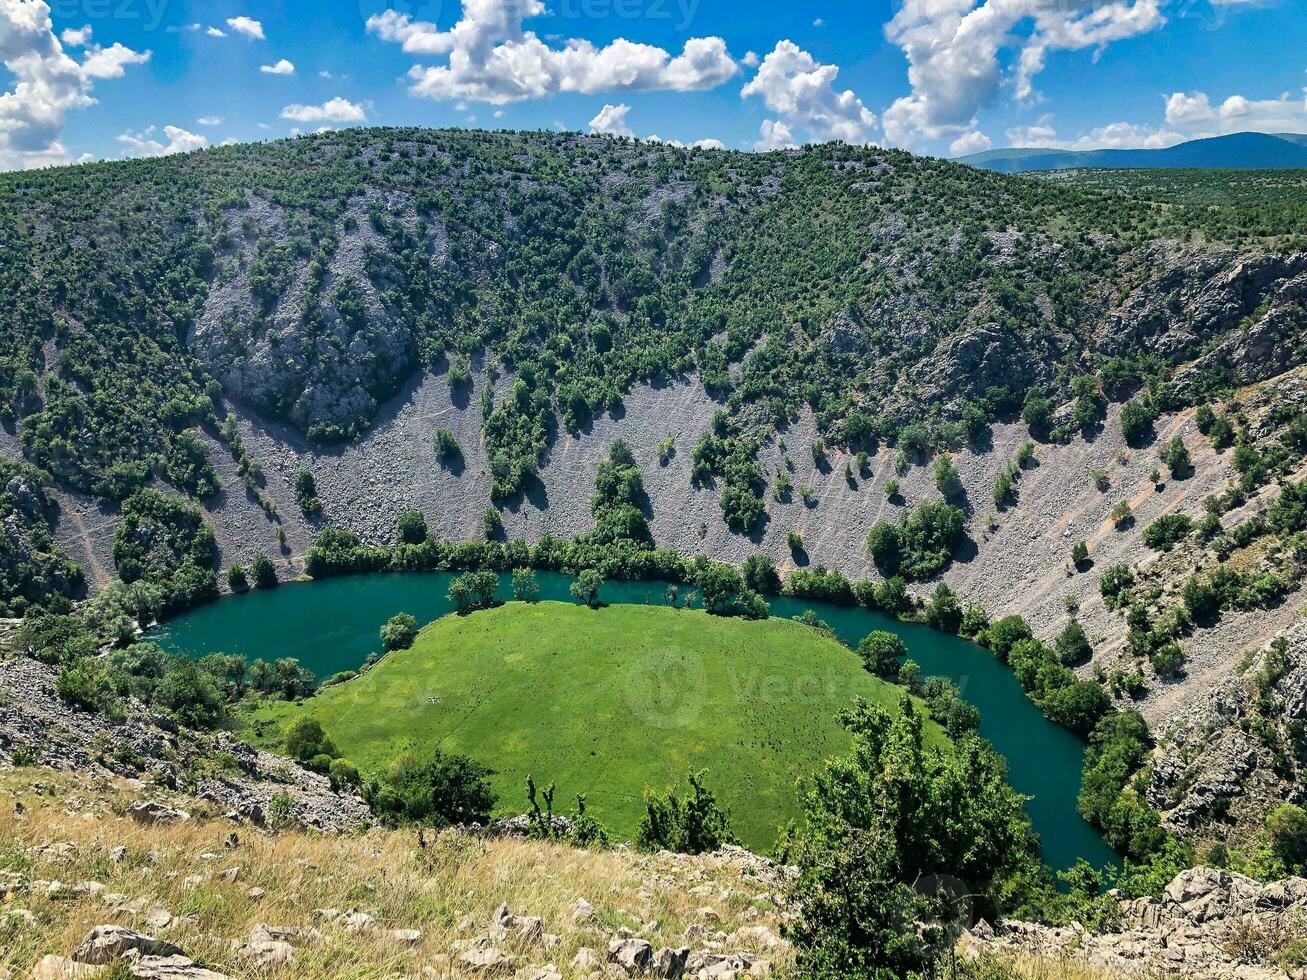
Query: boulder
column 104, row 944
column 486, row 962
column 585, row 960
column 669, row 962
column 152, row 813
column 631, row 955
column 60, row 968
column 174, row 967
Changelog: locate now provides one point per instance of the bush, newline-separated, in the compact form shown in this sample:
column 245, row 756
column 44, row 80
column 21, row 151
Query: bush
column 1163, row 533
column 236, row 579
column 1079, row 553
column 399, row 632
column 1286, row 828
column 305, row 740
column 446, row 789
column 1114, row 585
column 1177, row 458
column 943, row 611
column 1003, row 634
column 446, row 446
column 1167, row 659
column 881, row 652
column 412, row 527
column 946, row 477
column 1137, row 422
column 1072, row 645
column 1122, row 515
column 760, row 575
column 473, row 590
column 264, row 571
column 693, row 824
column 344, row 775
column 525, row 586
column 585, row 588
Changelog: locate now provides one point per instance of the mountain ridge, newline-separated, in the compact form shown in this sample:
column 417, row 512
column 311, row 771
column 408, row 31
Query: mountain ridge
column 1234, row 151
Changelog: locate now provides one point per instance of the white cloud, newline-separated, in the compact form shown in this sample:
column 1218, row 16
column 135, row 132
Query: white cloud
column 1114, row 136
column 247, row 26
column 78, row 38
column 793, row 85
column 775, row 135
column 144, row 145
column 215, row 32
column 1194, row 113
column 972, row 142
column 750, row 59
column 956, row 48
column 818, row 22
column 611, row 119
column 282, row 67
column 335, row 110
column 210, row 120
column 325, row 74
column 46, row 82
column 709, row 144
column 489, row 57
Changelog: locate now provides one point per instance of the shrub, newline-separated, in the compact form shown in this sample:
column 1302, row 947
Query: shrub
column 693, row 824
column 399, row 632
column 446, row 446
column 943, row 611
column 446, row 789
column 412, row 527
column 1037, row 408
column 1177, row 458
column 305, row 739
column 760, row 575
column 891, row 488
column 1122, row 515
column 1072, row 645
column 1114, row 584
column 1286, row 828
column 795, row 541
column 1003, row 634
column 1137, row 422
column 946, row 477
column 1079, row 553
column 1167, row 659
column 473, row 590
column 525, row 586
column 881, row 652
column 236, row 579
column 263, row 570
column 585, row 588
column 1163, row 533
column 343, row 774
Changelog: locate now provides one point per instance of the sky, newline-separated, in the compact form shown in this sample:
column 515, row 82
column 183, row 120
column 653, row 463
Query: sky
column 106, row 79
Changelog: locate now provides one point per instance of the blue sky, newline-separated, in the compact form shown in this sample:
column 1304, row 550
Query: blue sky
column 92, row 79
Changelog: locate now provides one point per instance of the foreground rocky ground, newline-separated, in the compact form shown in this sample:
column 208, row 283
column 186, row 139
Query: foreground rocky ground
column 99, row 878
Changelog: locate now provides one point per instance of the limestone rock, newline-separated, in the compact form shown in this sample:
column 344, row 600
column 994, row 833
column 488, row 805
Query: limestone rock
column 104, row 944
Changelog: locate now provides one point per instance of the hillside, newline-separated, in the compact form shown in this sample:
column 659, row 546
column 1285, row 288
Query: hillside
column 1246, row 151
column 605, row 702
column 329, row 332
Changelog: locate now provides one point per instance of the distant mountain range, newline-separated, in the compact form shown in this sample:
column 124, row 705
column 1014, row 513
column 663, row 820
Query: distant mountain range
column 1245, row 151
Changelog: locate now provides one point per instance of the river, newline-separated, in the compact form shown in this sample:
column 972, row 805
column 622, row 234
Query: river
column 331, row 625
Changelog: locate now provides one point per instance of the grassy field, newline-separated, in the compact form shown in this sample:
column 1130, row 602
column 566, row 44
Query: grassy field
column 605, row 702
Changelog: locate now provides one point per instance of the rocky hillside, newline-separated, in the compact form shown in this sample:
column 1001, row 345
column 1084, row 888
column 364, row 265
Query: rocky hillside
column 97, row 880
column 330, row 331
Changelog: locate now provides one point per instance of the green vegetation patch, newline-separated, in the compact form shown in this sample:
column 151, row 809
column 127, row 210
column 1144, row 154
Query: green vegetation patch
column 606, row 702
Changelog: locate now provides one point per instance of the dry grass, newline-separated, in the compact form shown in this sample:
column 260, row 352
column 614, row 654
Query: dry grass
column 448, row 890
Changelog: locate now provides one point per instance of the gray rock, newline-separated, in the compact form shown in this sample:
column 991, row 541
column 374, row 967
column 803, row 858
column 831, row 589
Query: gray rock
column 106, row 943
column 631, row 955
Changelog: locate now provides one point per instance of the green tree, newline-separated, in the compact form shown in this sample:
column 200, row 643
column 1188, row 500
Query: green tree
column 412, row 527
column 399, row 632
column 946, row 477
column 585, row 588
column 881, row 652
column 263, row 570
column 692, row 824
column 1037, row 409
column 525, row 586
column 236, row 579
column 1177, row 458
column 943, row 611
column 473, row 590
column 442, row 790
column 306, row 739
column 1072, row 645
column 1286, row 827
column 1136, row 422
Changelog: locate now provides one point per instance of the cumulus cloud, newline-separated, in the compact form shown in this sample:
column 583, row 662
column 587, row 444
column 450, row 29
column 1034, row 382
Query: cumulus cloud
column 956, row 50
column 47, row 82
column 709, row 143
column 611, row 119
column 247, row 26
column 215, row 32
column 1114, row 136
column 282, row 67
column 335, row 110
column 489, row 57
column 802, row 92
column 76, row 38
column 145, row 145
column 972, row 142
column 1194, row 113
column 775, row 135
column 209, row 121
